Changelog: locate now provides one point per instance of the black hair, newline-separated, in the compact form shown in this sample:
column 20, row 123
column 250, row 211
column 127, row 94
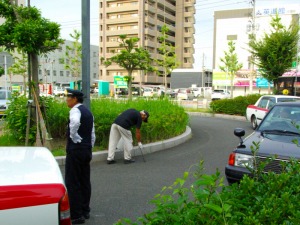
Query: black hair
column 79, row 99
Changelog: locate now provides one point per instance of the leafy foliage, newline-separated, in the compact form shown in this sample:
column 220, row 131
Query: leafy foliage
column 275, row 52
column 235, row 106
column 231, row 64
column 271, row 199
column 131, row 58
column 166, row 119
column 167, row 50
column 73, row 56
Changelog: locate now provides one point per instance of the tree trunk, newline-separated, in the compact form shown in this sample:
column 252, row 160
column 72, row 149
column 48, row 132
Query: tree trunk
column 34, row 72
column 129, row 85
column 231, row 85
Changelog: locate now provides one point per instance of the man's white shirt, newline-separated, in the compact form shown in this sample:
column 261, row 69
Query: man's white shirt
column 74, row 125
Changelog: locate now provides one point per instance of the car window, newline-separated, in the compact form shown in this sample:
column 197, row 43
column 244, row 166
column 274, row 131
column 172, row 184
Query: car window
column 263, row 103
column 287, row 99
column 272, row 102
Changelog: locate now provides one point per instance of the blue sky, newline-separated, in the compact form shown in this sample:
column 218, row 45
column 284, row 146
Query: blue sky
column 68, row 14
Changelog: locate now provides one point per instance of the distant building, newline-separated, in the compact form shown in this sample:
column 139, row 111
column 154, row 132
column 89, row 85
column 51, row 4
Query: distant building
column 185, row 78
column 237, row 25
column 144, row 19
column 52, row 68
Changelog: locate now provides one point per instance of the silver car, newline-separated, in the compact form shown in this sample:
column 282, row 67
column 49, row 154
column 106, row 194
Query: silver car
column 4, row 101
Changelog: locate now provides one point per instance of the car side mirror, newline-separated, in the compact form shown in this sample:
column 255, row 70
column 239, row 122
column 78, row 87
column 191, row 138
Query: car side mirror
column 240, row 132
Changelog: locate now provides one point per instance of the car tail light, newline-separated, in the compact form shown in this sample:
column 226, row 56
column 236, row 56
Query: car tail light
column 64, row 210
column 231, row 160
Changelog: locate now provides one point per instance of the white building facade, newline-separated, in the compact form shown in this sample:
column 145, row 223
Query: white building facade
column 237, row 26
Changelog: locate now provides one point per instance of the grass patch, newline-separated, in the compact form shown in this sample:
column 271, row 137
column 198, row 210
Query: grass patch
column 9, row 140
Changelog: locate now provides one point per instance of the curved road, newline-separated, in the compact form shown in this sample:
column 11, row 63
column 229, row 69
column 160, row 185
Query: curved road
column 121, row 190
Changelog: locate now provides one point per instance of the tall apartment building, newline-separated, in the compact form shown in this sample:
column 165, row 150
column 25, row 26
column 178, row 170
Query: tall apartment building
column 143, row 19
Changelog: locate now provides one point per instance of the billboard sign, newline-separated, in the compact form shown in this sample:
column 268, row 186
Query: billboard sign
column 120, row 82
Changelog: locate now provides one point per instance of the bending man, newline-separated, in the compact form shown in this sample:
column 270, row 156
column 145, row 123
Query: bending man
column 120, row 129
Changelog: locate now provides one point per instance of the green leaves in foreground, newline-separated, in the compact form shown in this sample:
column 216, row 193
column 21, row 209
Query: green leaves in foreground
column 272, row 199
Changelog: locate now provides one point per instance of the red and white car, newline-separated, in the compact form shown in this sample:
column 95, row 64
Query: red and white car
column 255, row 113
column 32, row 189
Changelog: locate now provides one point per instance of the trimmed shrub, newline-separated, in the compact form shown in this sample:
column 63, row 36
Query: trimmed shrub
column 271, row 199
column 235, row 106
column 166, row 118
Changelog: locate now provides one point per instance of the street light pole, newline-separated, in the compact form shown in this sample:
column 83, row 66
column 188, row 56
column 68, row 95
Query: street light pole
column 85, row 23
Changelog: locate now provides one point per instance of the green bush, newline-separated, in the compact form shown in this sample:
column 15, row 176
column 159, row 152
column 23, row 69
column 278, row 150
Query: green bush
column 235, row 106
column 166, row 119
column 271, row 199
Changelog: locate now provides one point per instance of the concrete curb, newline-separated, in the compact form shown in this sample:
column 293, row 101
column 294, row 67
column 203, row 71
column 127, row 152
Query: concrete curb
column 224, row 116
column 147, row 148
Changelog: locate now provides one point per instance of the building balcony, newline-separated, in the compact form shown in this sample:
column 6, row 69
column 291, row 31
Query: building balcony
column 165, row 14
column 171, row 28
column 189, row 24
column 150, row 20
column 125, row 20
column 124, row 8
column 112, row 44
column 120, row 32
column 150, row 8
column 150, row 31
column 189, row 2
column 149, row 43
column 189, row 14
column 187, row 65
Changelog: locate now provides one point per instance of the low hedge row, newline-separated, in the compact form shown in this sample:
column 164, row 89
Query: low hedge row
column 235, row 106
column 166, row 118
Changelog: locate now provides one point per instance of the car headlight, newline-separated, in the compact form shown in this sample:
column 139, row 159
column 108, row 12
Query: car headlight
column 241, row 160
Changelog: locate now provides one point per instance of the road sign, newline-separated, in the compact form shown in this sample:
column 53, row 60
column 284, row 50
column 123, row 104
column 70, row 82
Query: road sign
column 9, row 59
column 294, row 64
column 120, row 82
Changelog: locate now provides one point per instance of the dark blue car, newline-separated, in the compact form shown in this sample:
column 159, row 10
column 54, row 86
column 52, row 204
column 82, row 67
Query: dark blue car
column 277, row 136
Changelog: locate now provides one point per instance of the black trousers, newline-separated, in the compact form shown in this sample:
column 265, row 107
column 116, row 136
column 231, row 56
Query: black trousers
column 77, row 178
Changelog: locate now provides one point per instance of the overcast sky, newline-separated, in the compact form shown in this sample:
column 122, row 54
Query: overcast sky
column 68, row 14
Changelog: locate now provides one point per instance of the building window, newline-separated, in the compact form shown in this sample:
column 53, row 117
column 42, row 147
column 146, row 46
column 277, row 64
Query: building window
column 95, row 75
column 48, row 72
column 54, row 73
column 61, row 73
column 68, row 73
column 94, row 54
column 40, row 72
column 95, row 64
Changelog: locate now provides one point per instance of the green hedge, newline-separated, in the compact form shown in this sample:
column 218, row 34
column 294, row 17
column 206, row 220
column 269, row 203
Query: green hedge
column 166, row 118
column 235, row 106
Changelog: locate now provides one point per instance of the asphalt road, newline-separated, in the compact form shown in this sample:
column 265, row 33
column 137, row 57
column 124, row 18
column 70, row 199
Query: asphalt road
column 124, row 191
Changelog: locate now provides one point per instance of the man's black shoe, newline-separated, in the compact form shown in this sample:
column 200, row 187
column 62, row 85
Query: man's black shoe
column 111, row 161
column 79, row 220
column 127, row 161
column 86, row 216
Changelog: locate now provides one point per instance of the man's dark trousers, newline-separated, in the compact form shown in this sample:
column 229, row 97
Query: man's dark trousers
column 77, row 171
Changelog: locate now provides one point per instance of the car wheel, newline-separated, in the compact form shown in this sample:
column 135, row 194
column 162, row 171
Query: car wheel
column 253, row 122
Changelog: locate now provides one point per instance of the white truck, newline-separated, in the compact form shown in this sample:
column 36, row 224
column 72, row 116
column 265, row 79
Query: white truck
column 32, row 191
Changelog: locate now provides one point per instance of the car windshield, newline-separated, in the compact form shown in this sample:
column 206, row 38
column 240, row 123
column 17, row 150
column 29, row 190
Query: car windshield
column 282, row 120
column 3, row 95
column 288, row 99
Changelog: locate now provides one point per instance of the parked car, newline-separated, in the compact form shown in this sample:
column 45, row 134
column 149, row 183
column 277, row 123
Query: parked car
column 255, row 113
column 4, row 101
column 219, row 94
column 196, row 91
column 148, row 92
column 276, row 135
column 185, row 94
column 32, row 189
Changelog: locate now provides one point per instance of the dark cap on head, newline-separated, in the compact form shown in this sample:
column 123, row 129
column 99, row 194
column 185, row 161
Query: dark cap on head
column 74, row 93
column 147, row 114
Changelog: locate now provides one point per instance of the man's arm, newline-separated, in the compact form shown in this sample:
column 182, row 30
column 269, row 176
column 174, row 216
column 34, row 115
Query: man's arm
column 138, row 135
column 75, row 116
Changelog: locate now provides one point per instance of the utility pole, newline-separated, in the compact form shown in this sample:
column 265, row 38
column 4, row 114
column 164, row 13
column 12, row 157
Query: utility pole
column 85, row 71
column 253, row 32
column 203, row 71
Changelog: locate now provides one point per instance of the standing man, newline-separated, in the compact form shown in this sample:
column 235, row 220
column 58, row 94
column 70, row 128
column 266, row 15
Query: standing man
column 120, row 129
column 80, row 140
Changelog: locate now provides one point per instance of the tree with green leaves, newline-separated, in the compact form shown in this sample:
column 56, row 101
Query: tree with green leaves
column 131, row 58
column 20, row 67
column 26, row 30
column 167, row 50
column 230, row 64
column 275, row 52
column 73, row 56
